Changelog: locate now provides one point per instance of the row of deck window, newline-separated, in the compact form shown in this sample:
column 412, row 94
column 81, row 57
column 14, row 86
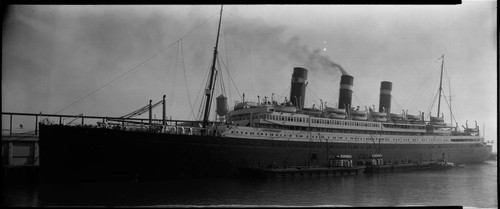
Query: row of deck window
column 350, row 138
column 317, row 121
column 335, row 130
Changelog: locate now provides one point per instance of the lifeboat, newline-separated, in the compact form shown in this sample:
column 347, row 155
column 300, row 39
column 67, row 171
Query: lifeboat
column 358, row 117
column 337, row 116
column 334, row 110
column 437, row 119
column 242, row 105
column 380, row 119
column 378, row 114
column 396, row 116
column 281, row 108
column 413, row 117
column 357, row 113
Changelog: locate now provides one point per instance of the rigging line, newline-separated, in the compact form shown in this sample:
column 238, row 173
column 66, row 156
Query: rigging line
column 457, row 114
column 226, row 52
column 135, row 112
column 199, row 116
column 451, row 115
column 228, row 82
column 221, row 81
column 429, row 109
column 222, row 85
column 419, row 87
column 436, row 93
column 286, row 92
column 122, row 75
column 400, row 107
column 136, row 66
column 185, row 80
column 231, row 78
column 314, row 100
column 358, row 99
column 146, row 109
column 335, row 97
column 251, row 76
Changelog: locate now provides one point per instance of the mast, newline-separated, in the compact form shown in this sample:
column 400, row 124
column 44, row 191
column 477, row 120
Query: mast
column 440, row 84
column 451, row 113
column 209, row 91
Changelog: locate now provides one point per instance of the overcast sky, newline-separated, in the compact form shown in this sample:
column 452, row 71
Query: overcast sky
column 53, row 56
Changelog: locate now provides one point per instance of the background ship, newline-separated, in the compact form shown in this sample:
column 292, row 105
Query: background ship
column 254, row 134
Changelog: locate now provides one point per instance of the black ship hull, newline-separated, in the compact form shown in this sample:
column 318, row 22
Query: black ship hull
column 72, row 154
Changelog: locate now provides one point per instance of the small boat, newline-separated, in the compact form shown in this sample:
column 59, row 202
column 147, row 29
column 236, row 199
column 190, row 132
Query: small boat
column 357, row 112
column 437, row 119
column 337, row 116
column 378, row 114
column 444, row 165
column 359, row 117
column 282, row 108
column 413, row 117
column 398, row 116
column 380, row 119
column 334, row 110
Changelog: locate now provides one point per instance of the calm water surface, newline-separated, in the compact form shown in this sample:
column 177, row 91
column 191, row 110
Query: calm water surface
column 472, row 186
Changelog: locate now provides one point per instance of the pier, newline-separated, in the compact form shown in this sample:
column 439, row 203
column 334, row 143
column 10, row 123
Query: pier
column 294, row 172
column 20, row 138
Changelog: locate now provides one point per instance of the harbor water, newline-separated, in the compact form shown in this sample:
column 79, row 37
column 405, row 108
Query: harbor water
column 471, row 186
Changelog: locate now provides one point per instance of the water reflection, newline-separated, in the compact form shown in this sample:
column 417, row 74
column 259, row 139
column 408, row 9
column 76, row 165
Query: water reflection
column 472, row 186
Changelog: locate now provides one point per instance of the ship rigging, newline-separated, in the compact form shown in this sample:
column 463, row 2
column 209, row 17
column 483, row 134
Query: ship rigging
column 254, row 135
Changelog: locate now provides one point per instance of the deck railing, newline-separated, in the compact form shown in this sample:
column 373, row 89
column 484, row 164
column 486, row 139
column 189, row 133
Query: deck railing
column 28, row 122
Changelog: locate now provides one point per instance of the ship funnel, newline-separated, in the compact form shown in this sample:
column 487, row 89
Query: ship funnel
column 298, row 89
column 385, row 96
column 345, row 95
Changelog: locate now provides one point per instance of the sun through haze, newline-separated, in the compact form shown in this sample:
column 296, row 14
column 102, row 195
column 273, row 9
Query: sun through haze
column 111, row 60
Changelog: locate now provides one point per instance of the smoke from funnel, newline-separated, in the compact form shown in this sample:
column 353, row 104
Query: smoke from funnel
column 317, row 60
column 339, row 67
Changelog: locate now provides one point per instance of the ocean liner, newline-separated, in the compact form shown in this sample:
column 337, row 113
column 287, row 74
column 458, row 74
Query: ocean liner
column 254, row 135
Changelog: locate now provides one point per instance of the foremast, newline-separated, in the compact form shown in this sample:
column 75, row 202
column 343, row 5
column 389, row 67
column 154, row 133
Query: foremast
column 213, row 72
column 440, row 85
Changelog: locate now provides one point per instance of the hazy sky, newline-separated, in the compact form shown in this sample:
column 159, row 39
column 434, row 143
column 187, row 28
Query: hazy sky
column 52, row 56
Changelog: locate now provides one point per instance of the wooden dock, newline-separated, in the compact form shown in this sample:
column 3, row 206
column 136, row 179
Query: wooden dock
column 398, row 167
column 293, row 172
